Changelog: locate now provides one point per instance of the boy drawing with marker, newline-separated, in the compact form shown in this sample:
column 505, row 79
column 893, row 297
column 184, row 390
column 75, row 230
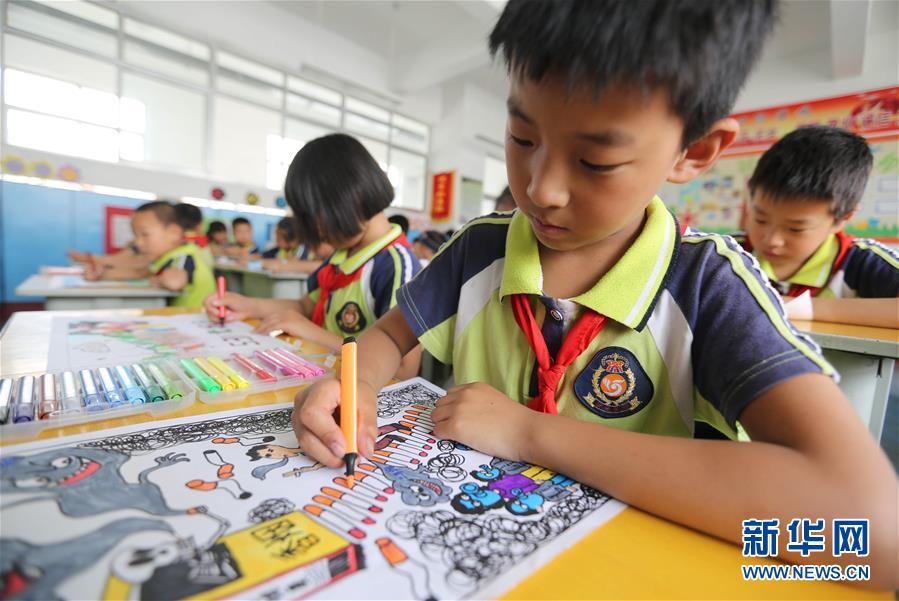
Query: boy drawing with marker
column 587, row 332
column 176, row 265
column 803, row 192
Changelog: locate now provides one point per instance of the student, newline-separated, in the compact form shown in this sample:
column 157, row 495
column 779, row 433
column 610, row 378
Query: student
column 640, row 329
column 176, row 265
column 402, row 221
column 338, row 194
column 505, row 202
column 190, row 217
column 243, row 245
column 217, row 234
column 427, row 245
column 803, row 192
column 288, row 254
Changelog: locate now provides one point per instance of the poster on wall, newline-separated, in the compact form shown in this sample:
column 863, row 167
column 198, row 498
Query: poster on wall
column 118, row 229
column 713, row 201
column 442, row 196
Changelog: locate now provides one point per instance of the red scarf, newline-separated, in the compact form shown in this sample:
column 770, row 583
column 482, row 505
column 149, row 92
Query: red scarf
column 582, row 333
column 845, row 241
column 330, row 278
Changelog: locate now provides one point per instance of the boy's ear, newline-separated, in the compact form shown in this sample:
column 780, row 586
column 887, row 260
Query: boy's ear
column 702, row 154
column 841, row 223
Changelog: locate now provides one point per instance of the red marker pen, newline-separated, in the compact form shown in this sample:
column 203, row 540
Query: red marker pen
column 221, row 286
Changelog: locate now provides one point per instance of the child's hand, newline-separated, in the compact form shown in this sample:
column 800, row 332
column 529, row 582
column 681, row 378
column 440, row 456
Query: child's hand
column 485, row 419
column 92, row 273
column 78, row 256
column 292, row 323
column 273, row 264
column 237, row 306
column 317, row 430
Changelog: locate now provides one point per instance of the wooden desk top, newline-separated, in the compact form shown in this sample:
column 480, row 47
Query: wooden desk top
column 43, row 285
column 634, row 556
column 866, row 340
column 275, row 275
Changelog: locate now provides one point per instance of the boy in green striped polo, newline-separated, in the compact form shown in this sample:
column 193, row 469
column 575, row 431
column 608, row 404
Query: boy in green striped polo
column 176, row 265
column 588, row 333
column 804, row 191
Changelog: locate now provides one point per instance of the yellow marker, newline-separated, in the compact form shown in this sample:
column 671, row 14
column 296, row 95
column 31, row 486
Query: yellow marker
column 215, row 374
column 223, row 367
column 348, row 413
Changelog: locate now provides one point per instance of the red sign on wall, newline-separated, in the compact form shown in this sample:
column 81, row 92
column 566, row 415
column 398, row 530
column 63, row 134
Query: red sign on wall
column 442, row 196
column 118, row 228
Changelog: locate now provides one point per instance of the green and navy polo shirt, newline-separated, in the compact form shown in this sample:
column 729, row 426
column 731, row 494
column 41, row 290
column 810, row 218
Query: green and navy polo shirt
column 695, row 332
column 300, row 252
column 385, row 267
column 200, row 280
column 869, row 270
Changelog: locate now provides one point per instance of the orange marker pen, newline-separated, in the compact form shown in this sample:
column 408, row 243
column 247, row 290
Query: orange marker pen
column 348, row 409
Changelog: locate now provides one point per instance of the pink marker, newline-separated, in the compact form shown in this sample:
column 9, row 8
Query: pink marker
column 277, row 363
column 254, row 368
column 291, row 359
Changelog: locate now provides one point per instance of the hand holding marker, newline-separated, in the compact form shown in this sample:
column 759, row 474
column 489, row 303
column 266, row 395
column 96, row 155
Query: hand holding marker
column 221, row 295
column 348, row 413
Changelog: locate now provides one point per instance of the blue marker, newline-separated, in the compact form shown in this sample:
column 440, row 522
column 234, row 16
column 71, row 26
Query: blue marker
column 133, row 392
column 93, row 400
column 5, row 398
column 68, row 390
column 154, row 392
column 108, row 385
column 23, row 410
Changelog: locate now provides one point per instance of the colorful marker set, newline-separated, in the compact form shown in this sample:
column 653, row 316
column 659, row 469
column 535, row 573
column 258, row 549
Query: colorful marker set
column 75, row 396
column 224, row 379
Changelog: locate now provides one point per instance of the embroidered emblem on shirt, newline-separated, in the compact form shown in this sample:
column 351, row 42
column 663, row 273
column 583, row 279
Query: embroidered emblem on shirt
column 613, row 384
column 350, row 318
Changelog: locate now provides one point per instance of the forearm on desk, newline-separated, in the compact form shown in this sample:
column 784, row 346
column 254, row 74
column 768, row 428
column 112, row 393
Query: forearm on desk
column 876, row 312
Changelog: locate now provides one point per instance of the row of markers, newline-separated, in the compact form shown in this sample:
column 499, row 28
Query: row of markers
column 212, row 374
column 49, row 395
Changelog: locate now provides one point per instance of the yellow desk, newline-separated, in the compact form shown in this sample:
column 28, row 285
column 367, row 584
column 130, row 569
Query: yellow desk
column 866, row 358
column 634, row 556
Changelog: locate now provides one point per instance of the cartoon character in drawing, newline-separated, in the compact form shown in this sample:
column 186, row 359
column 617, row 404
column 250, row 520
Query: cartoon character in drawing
column 83, row 482
column 416, row 486
column 520, row 487
column 282, row 454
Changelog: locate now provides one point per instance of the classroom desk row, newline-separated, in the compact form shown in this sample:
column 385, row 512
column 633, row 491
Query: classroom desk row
column 259, row 283
column 634, row 556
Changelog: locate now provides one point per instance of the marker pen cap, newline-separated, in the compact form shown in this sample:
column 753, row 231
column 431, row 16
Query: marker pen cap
column 23, row 410
column 5, row 398
column 68, row 389
column 107, row 383
column 93, row 400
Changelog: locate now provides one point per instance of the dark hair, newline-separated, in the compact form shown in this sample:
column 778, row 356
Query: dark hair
column 216, row 227
column 700, row 51
column 504, row 197
column 815, row 163
column 432, row 239
column 256, row 452
column 238, row 221
column 288, row 228
column 189, row 216
column 334, row 186
column 400, row 220
column 164, row 211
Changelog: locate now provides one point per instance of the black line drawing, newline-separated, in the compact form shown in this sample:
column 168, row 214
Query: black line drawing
column 269, row 510
column 392, row 402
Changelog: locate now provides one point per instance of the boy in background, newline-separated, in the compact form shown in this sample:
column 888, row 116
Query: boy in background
column 190, row 218
column 243, row 245
column 176, row 265
column 803, row 192
column 217, row 234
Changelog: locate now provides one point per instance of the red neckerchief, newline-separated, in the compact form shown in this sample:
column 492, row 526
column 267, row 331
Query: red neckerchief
column 582, row 333
column 845, row 241
column 330, row 278
column 201, row 241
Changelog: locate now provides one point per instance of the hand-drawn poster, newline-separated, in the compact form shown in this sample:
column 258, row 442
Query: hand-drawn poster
column 230, row 507
column 77, row 343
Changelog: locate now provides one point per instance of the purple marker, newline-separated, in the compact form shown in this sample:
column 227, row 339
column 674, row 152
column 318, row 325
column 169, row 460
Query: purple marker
column 277, row 363
column 23, row 410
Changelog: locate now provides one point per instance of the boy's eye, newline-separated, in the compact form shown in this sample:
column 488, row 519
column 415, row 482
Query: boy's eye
column 599, row 168
column 796, row 230
column 760, row 222
column 521, row 141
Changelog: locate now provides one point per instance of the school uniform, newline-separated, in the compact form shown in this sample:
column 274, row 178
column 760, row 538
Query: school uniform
column 842, row 267
column 300, row 253
column 351, row 293
column 692, row 331
column 200, row 280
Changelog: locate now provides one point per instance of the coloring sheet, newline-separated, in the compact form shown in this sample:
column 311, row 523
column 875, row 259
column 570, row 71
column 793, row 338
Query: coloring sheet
column 227, row 506
column 77, row 343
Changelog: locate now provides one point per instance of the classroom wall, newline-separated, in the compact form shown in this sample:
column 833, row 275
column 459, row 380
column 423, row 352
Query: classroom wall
column 39, row 224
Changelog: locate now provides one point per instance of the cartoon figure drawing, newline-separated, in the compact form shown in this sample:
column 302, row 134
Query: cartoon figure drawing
column 521, row 488
column 274, row 451
column 86, row 481
column 416, row 486
column 225, row 479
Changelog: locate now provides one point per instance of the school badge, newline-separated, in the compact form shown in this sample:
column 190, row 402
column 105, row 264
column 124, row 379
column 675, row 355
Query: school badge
column 350, row 318
column 613, row 384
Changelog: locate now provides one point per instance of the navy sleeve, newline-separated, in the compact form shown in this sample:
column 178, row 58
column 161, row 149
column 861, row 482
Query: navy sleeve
column 872, row 270
column 271, row 253
column 384, row 281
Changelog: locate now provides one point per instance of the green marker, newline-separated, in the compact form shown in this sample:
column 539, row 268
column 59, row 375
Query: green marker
column 154, row 392
column 171, row 391
column 208, row 384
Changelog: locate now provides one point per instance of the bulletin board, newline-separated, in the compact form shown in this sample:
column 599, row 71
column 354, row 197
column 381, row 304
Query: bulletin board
column 713, row 202
column 117, row 228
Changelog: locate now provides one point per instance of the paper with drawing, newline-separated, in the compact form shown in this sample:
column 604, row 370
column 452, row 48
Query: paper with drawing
column 229, row 507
